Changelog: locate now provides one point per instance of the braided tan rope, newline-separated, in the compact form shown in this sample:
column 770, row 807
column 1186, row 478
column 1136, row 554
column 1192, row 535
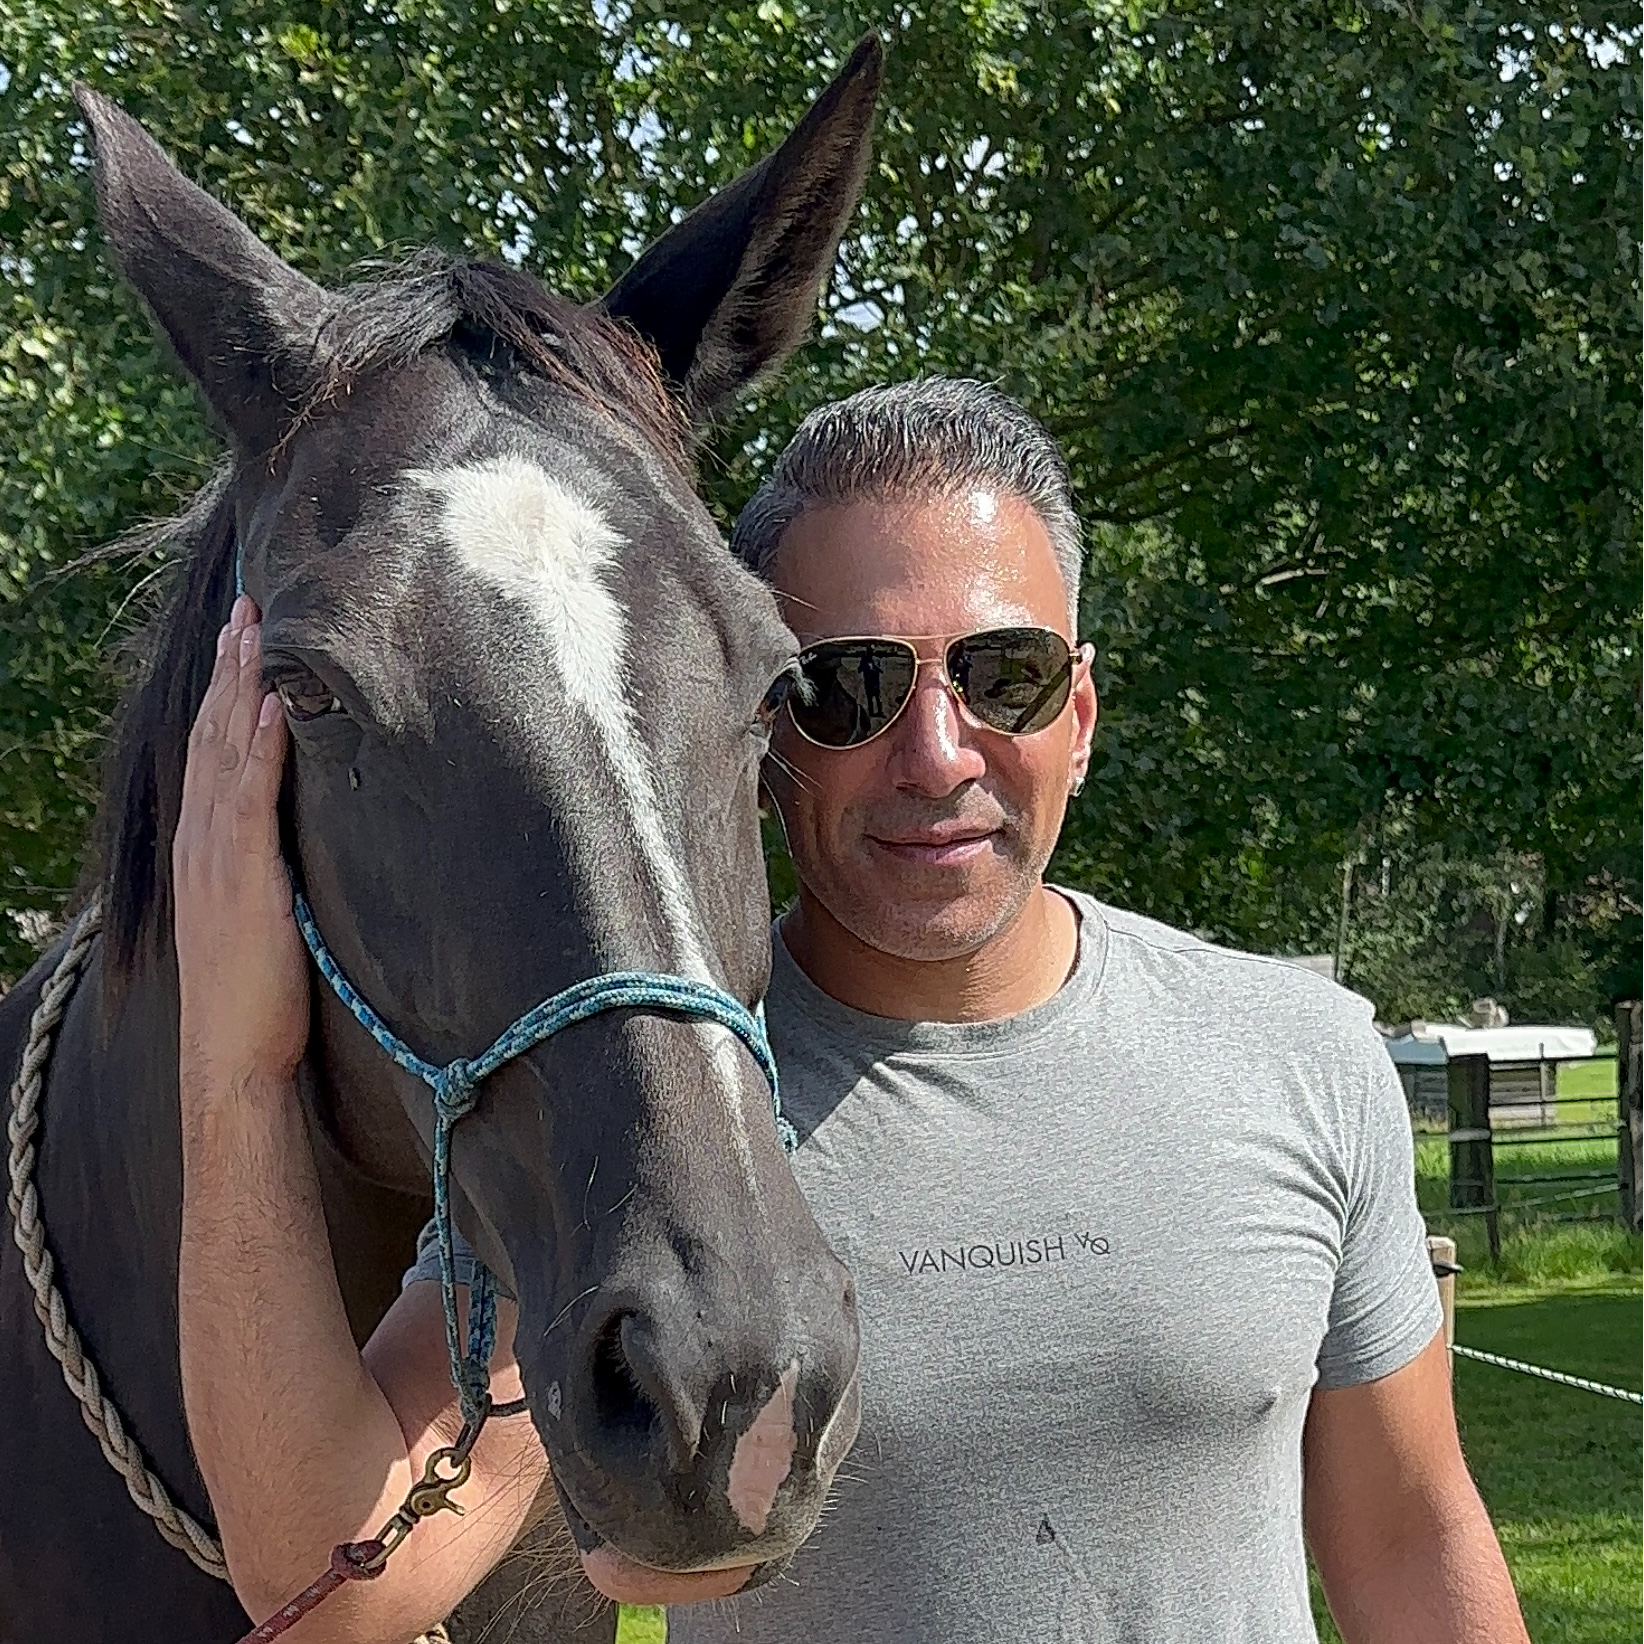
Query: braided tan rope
column 28, row 1229
column 184, row 1532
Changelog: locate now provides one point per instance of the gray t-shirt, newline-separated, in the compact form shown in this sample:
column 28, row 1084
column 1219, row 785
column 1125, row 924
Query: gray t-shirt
column 1104, row 1251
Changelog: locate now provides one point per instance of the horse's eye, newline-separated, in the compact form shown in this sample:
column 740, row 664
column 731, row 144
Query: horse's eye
column 306, row 696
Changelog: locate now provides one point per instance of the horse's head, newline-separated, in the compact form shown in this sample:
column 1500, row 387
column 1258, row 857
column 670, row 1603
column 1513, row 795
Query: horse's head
column 528, row 690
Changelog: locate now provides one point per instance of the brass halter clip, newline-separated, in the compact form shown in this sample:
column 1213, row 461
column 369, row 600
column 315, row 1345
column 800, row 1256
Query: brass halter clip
column 432, row 1492
column 446, row 1470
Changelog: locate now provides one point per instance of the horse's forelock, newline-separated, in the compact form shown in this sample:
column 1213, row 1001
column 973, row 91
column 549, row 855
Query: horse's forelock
column 387, row 320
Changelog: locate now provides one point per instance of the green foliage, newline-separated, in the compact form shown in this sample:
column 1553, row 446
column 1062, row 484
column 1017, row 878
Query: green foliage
column 1333, row 307
column 1428, row 933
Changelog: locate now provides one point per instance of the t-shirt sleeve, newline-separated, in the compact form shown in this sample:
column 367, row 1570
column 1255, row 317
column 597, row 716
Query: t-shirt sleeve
column 1384, row 1308
column 427, row 1264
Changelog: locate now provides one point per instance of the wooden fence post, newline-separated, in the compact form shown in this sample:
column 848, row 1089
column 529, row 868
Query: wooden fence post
column 1441, row 1252
column 1472, row 1157
column 1629, row 1090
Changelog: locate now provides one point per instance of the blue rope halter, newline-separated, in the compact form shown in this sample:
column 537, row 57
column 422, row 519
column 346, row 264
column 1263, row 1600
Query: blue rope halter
column 455, row 1089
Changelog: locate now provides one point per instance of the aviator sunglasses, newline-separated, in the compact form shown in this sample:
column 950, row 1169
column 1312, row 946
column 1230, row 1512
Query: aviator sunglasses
column 1012, row 680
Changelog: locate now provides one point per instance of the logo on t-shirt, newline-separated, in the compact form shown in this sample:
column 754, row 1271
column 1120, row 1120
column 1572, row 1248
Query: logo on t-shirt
column 1000, row 1254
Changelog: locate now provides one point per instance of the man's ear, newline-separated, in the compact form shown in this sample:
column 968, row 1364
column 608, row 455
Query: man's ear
column 243, row 323
column 729, row 292
column 1087, row 710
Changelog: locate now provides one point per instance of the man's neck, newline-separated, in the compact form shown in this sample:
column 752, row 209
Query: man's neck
column 1019, row 968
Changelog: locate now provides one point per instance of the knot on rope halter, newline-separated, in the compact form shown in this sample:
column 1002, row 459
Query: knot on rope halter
column 472, row 1380
column 456, row 1089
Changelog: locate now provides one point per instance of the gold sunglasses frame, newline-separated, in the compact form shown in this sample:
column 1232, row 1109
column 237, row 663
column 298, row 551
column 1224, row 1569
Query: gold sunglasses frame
column 1076, row 653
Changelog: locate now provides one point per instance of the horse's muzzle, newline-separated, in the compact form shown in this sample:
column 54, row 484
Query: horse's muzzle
column 701, row 1431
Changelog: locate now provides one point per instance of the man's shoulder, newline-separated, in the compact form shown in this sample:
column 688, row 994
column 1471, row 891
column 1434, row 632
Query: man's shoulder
column 1229, row 980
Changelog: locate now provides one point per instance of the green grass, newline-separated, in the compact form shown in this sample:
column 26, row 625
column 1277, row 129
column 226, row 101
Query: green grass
column 1589, row 1079
column 1558, row 1467
column 1586, row 1092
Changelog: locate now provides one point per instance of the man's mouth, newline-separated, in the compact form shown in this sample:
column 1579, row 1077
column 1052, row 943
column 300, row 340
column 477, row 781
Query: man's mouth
column 937, row 847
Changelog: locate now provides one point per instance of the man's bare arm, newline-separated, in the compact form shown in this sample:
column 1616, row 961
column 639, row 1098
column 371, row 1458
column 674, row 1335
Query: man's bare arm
column 303, row 1443
column 1402, row 1541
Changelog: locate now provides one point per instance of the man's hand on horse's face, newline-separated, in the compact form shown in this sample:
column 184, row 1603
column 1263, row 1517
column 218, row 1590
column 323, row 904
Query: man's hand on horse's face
column 240, row 963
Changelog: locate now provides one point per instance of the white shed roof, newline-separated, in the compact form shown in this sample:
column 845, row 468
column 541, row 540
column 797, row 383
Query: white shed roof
column 1433, row 1044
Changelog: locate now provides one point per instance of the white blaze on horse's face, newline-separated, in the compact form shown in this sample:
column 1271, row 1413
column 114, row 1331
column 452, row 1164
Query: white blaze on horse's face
column 537, row 541
column 534, row 539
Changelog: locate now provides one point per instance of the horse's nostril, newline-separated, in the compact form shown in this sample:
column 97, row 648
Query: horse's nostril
column 635, row 1393
column 618, row 1397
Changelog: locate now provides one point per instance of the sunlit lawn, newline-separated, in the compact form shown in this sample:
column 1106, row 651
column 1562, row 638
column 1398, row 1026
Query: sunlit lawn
column 1559, row 1468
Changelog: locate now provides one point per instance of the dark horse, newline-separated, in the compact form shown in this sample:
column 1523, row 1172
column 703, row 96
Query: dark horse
column 528, row 689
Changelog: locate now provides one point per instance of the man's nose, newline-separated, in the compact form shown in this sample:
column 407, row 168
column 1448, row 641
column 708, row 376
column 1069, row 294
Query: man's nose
column 932, row 752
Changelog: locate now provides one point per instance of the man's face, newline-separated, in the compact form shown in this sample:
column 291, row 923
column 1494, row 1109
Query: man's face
column 928, row 840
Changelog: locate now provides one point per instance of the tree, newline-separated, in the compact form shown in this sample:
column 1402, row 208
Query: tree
column 1333, row 307
column 341, row 136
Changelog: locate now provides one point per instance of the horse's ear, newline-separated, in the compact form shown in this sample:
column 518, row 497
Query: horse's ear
column 729, row 292
column 243, row 322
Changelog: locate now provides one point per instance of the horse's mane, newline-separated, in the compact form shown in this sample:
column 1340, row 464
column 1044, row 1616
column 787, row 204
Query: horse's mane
column 501, row 318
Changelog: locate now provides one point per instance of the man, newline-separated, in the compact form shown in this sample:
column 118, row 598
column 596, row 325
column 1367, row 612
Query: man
column 1132, row 1217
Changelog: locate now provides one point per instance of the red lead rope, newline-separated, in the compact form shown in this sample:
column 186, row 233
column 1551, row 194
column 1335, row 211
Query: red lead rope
column 352, row 1561
column 447, row 1469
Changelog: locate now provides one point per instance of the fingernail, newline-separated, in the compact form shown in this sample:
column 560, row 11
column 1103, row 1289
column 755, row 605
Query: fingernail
column 270, row 707
column 237, row 613
column 222, row 639
column 248, row 641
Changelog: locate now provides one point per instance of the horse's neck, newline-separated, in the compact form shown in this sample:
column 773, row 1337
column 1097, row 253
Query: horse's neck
column 109, row 1178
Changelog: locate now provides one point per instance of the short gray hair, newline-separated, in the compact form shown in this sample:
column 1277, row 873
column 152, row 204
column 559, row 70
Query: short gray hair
column 927, row 437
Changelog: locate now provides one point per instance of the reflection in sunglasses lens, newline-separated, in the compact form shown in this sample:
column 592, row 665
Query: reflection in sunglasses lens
column 852, row 690
column 1015, row 679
